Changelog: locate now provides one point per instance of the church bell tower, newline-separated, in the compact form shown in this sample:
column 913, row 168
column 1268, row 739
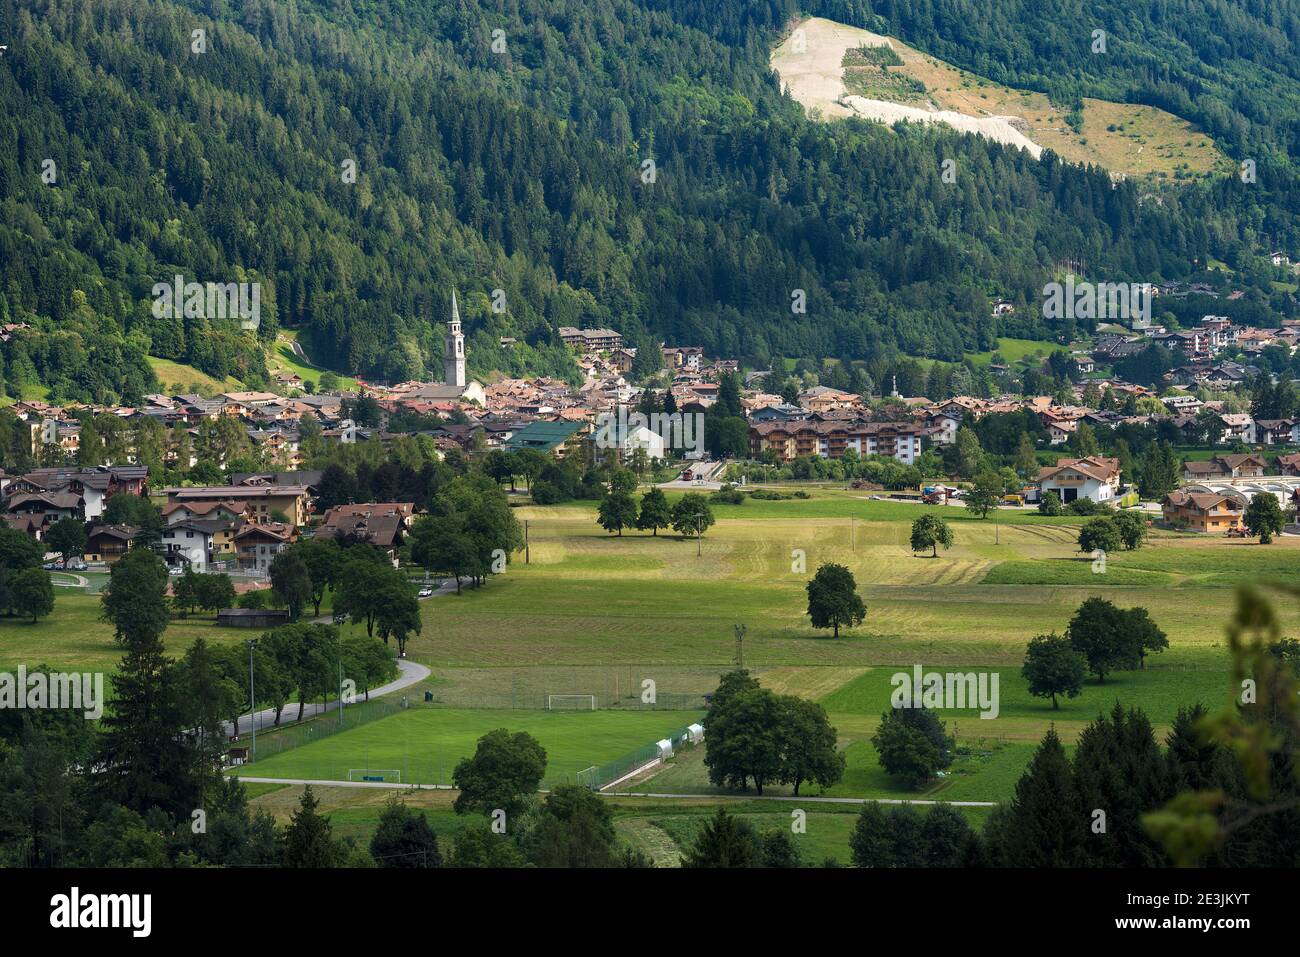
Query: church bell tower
column 454, row 351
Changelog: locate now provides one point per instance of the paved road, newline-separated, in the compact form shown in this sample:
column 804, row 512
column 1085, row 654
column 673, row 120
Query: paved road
column 81, row 580
column 803, row 799
column 411, row 673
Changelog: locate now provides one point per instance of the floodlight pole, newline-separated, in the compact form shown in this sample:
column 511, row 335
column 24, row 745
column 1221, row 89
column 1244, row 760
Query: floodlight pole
column 252, row 694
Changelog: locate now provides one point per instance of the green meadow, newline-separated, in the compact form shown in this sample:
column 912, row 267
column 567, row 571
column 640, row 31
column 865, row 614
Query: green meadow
column 426, row 744
column 597, row 613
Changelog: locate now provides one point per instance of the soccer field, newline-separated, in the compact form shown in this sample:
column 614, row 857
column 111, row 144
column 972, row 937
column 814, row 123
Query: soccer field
column 425, row 744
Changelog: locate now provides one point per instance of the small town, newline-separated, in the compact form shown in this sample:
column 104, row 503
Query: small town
column 238, row 475
column 567, row 438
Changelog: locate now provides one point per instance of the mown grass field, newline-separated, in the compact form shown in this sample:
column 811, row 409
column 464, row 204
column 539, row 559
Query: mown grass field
column 591, row 604
column 426, row 744
column 590, row 597
column 596, row 613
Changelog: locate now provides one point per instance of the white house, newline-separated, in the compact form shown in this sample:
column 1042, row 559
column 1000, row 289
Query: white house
column 189, row 542
column 1237, row 427
column 1059, row 432
column 945, row 424
column 1091, row 477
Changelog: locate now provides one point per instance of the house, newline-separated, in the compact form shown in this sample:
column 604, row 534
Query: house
column 1201, row 511
column 782, row 412
column 231, row 511
column 381, row 525
column 688, row 358
column 591, row 340
column 93, row 486
column 405, row 510
column 944, row 426
column 832, row 438
column 622, row 359
column 1103, row 419
column 1237, row 427
column 1091, row 477
column 1225, row 376
column 308, row 477
column 1288, row 464
column 619, row 441
column 108, row 543
column 256, row 545
column 1225, row 467
column 264, row 502
column 46, row 508
column 190, row 542
column 1181, row 403
column 1277, row 431
column 825, row 399
column 248, row 400
column 1059, row 431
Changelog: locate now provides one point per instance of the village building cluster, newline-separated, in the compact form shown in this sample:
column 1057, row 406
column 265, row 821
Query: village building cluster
column 246, row 521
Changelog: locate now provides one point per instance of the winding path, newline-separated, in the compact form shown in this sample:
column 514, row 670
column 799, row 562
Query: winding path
column 411, row 673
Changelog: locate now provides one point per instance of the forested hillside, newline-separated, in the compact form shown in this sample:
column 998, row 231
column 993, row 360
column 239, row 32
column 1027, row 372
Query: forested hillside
column 523, row 170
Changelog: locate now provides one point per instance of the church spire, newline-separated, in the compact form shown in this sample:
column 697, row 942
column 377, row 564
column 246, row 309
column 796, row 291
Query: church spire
column 453, row 359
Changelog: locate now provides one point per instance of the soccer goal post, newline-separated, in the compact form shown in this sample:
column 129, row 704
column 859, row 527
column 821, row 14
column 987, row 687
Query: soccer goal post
column 570, row 702
column 375, row 774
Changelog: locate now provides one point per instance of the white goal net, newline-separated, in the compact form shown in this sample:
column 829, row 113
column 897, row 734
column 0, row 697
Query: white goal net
column 570, row 702
column 375, row 774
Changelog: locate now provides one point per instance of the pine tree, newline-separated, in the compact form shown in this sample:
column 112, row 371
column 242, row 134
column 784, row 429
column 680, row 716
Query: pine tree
column 308, row 840
column 1047, row 824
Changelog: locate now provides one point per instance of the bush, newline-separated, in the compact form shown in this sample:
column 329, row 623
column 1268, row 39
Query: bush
column 728, row 495
column 544, row 493
column 255, row 599
column 1086, row 506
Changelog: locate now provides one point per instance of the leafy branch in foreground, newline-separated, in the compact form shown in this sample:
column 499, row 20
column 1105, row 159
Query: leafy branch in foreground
column 1260, row 733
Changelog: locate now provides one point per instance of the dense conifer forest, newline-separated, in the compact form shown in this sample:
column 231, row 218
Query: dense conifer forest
column 524, row 168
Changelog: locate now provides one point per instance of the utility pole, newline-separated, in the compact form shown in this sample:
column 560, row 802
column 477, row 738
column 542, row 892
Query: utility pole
column 527, row 552
column 252, row 694
column 740, row 645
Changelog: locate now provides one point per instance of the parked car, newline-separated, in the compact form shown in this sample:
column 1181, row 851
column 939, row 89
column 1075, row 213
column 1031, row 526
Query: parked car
column 176, row 571
column 77, row 566
column 51, row 566
column 426, row 592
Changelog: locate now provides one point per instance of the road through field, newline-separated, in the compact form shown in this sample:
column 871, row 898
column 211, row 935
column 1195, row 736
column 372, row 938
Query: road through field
column 323, row 782
column 411, row 673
